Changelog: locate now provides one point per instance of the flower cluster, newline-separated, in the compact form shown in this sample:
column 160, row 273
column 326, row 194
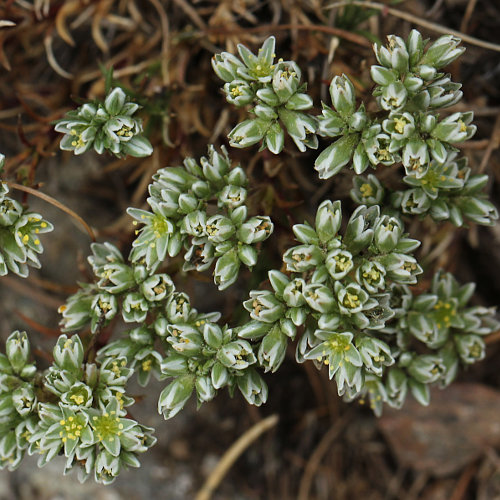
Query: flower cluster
column 275, row 95
column 360, row 318
column 20, row 232
column 338, row 287
column 446, row 192
column 199, row 356
column 180, row 201
column 431, row 335
column 177, row 341
column 410, row 91
column 73, row 408
column 105, row 126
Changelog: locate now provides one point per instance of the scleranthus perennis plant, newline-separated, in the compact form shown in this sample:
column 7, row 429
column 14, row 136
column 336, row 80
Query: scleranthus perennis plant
column 344, row 296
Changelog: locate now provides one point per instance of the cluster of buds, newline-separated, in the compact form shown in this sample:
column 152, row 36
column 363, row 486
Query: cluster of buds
column 105, row 126
column 432, row 335
column 274, row 94
column 73, row 408
column 335, row 283
column 196, row 353
column 179, row 218
column 409, row 90
column 179, row 342
column 445, row 192
column 20, row 232
column 361, row 319
column 119, row 287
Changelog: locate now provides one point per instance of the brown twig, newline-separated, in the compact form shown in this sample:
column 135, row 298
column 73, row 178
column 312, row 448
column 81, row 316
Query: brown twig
column 330, row 30
column 493, row 144
column 232, row 454
column 316, row 457
column 471, row 5
column 56, row 203
column 419, row 21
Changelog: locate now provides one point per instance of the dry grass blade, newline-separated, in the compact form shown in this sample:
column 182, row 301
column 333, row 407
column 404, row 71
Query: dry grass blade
column 47, row 42
column 232, row 454
column 316, row 457
column 165, row 41
column 269, row 28
column 418, row 21
column 53, row 201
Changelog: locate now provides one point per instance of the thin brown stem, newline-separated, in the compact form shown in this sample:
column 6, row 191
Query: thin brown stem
column 53, row 201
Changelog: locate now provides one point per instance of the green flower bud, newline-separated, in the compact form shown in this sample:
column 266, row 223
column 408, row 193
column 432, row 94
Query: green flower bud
column 174, row 364
column 305, row 234
column 68, row 353
column 387, row 233
column 343, row 95
column 219, row 375
column 173, row 398
column 272, row 349
column 328, row 220
column 275, row 138
column 248, row 132
column 114, row 101
column 248, row 255
column 204, row 388
column 382, row 75
column 443, row 51
column 293, row 294
column 17, row 348
column 226, row 269
column 336, row 156
column 396, row 387
column 226, row 66
column 253, row 387
column 415, row 46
